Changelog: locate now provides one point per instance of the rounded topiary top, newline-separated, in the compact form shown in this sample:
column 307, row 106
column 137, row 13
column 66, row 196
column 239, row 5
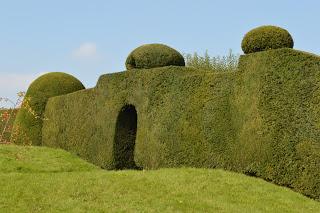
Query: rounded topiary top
column 153, row 55
column 53, row 84
column 28, row 122
column 265, row 38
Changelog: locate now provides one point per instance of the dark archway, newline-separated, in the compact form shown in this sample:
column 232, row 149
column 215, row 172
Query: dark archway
column 125, row 137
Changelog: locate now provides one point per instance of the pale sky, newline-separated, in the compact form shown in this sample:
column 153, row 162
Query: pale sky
column 90, row 38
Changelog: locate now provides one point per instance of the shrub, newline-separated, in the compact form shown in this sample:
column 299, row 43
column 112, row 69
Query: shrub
column 215, row 63
column 153, row 55
column 7, row 117
column 28, row 122
column 265, row 38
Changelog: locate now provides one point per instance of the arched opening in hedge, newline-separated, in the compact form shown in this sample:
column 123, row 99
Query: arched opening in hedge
column 125, row 137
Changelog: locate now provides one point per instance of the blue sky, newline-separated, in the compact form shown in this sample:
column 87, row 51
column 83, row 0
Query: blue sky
column 90, row 38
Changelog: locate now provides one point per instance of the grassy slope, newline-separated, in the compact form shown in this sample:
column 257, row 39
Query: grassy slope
column 38, row 179
column 28, row 159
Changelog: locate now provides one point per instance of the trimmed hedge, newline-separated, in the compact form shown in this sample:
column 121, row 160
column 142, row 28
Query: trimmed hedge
column 173, row 104
column 262, row 120
column 278, row 100
column 153, row 55
column 28, row 122
column 266, row 38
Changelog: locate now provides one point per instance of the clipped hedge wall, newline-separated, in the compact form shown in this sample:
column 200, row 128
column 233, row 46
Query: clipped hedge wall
column 262, row 120
column 266, row 38
column 277, row 95
column 153, row 55
column 173, row 104
column 28, row 123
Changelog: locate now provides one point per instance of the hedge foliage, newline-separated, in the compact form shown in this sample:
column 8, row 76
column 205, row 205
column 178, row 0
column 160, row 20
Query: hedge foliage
column 171, row 103
column 261, row 120
column 153, row 55
column 28, row 122
column 278, row 100
column 266, row 38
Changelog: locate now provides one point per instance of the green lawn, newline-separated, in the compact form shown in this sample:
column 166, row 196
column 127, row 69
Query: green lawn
column 38, row 179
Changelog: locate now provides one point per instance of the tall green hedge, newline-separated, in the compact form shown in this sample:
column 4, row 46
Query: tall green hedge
column 261, row 120
column 174, row 105
column 277, row 95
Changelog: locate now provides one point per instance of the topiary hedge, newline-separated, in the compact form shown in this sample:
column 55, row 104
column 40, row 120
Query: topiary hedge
column 262, row 120
column 278, row 104
column 153, row 55
column 173, row 104
column 266, row 38
column 27, row 126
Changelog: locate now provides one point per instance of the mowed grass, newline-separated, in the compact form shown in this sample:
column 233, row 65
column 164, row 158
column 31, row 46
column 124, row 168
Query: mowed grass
column 33, row 159
column 39, row 179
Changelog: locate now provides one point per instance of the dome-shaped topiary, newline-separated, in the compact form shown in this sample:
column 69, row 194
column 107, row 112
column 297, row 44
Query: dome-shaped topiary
column 265, row 38
column 153, row 55
column 28, row 123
